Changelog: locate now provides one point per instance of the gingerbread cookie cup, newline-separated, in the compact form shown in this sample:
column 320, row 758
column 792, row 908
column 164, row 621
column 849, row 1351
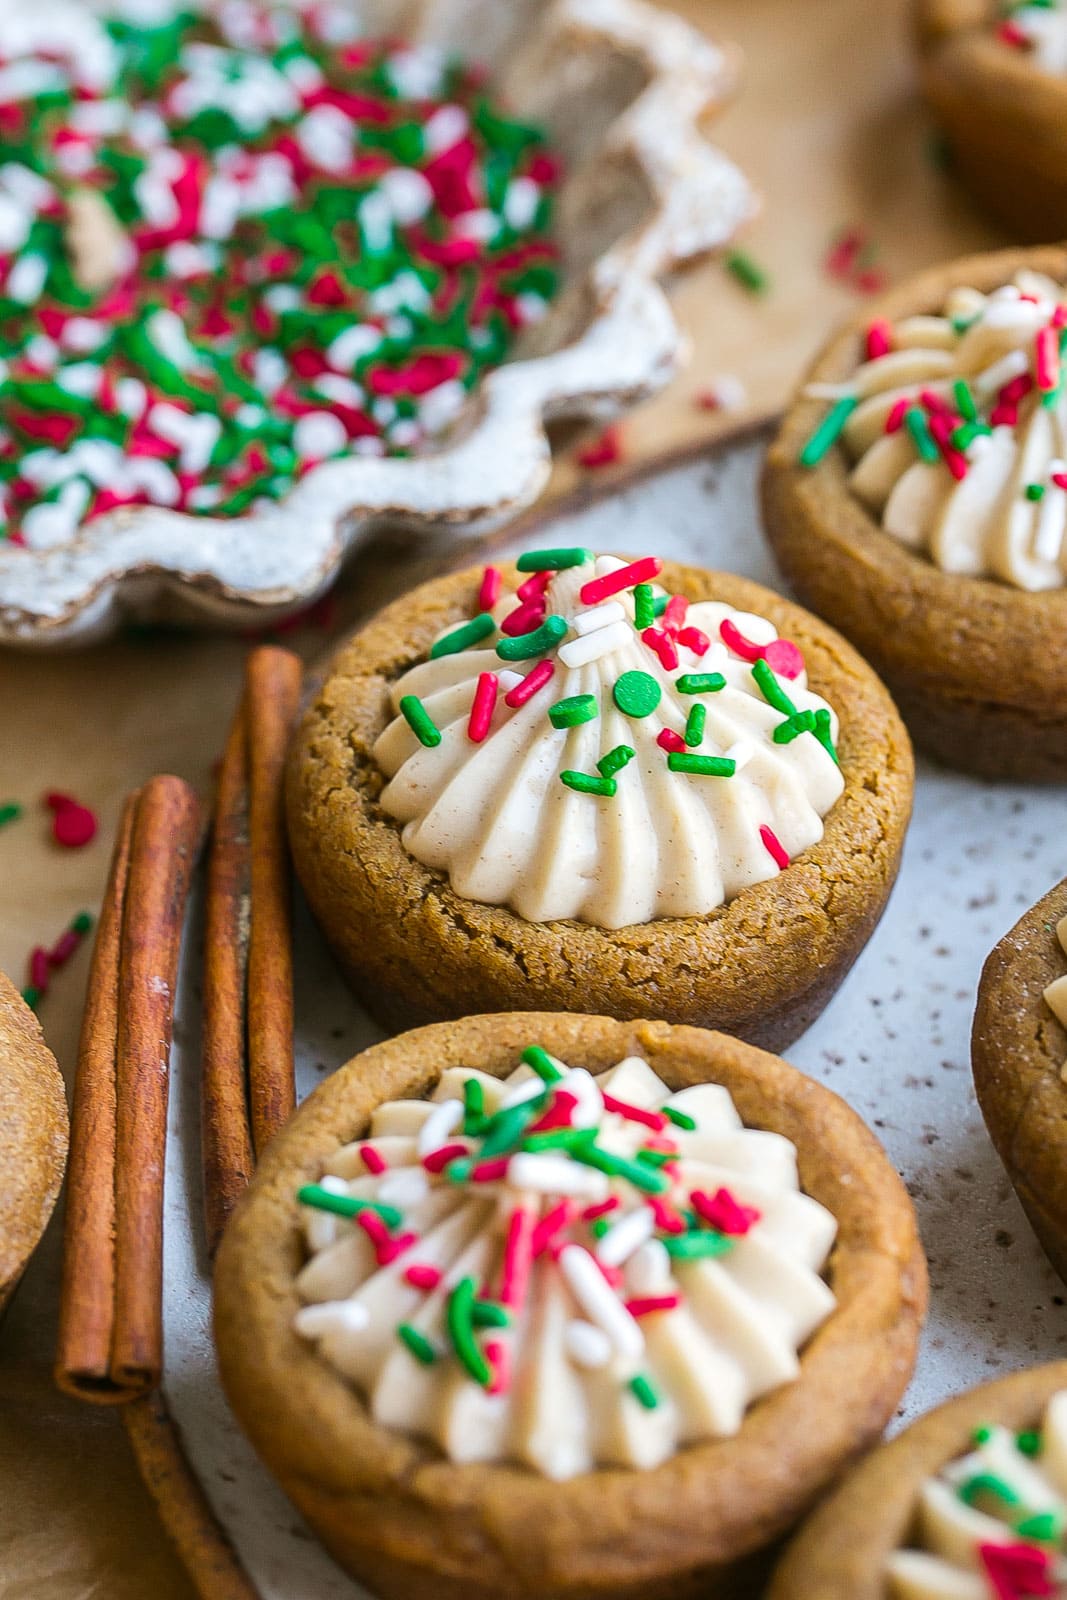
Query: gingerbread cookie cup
column 33, row 1135
column 846, row 1546
column 976, row 665
column 1004, row 115
column 1018, row 1049
column 393, row 1511
column 762, row 966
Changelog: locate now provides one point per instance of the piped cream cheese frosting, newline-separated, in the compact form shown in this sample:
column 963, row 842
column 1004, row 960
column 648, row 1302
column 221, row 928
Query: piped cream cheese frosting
column 563, row 1270
column 992, row 1524
column 1038, row 30
column 1056, row 992
column 956, row 429
column 593, row 748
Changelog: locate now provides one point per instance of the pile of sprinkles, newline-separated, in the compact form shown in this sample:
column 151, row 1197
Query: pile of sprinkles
column 234, row 247
column 578, row 1178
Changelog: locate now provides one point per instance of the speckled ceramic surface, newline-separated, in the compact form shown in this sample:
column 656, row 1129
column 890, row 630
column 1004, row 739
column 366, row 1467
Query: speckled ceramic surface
column 894, row 1042
column 621, row 89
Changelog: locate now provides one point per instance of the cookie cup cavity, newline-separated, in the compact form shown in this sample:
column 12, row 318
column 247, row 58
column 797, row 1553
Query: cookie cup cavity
column 763, row 966
column 1005, row 118
column 977, row 667
column 843, row 1548
column 391, row 1510
column 1017, row 1053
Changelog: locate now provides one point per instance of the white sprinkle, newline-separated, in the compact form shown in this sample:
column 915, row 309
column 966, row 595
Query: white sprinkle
column 132, row 397
column 600, row 1302
column 728, row 392
column 649, row 1269
column 626, row 1236
column 326, row 137
column 405, row 432
column 352, row 345
column 590, row 1108
column 482, row 225
column 605, row 564
column 342, row 390
column 399, row 327
column 445, row 128
column 384, row 410
column 598, row 617
column 417, row 73
column 80, row 377
column 408, row 194
column 441, row 405
column 49, row 524
column 250, row 416
column 333, row 1184
column 25, row 185
column 376, row 221
column 270, row 369
column 587, row 1346
column 184, row 259
column 26, row 279
column 740, row 754
column 304, row 73
column 580, row 652
column 155, row 478
column 319, row 434
column 509, row 680
column 14, row 225
column 82, row 334
column 443, row 1120
column 531, row 307
column 332, row 1316
column 521, row 201
column 42, row 351
column 405, row 292
column 527, row 1088
column 552, row 1174
column 367, row 446
column 166, row 330
column 1013, row 365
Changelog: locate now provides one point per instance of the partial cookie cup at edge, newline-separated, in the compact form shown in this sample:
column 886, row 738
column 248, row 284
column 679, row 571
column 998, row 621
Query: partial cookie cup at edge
column 843, row 1548
column 977, row 667
column 1004, row 117
column 762, row 966
column 400, row 1515
column 1017, row 1054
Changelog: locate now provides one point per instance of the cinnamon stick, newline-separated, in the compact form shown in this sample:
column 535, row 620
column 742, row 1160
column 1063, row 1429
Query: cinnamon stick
column 272, row 696
column 110, row 1340
column 226, row 1136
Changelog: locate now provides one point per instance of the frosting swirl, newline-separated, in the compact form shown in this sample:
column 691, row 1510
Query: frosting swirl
column 957, row 429
column 655, row 760
column 562, row 1270
column 991, row 1526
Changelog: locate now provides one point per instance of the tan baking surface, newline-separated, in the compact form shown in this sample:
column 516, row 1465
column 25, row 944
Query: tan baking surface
column 827, row 125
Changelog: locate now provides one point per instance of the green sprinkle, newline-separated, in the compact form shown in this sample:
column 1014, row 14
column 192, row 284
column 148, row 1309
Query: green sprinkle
column 830, row 429
column 923, row 440
column 459, row 1320
column 346, row 1205
column 558, row 1139
column 655, row 1158
column 702, row 766
column 749, row 274
column 553, row 560
column 643, row 1178
column 480, row 627
column 644, row 1391
column 987, row 1483
column 1027, row 1443
column 660, row 604
column 473, row 1106
column 505, row 1130
column 417, row 1343
column 420, row 721
column 644, row 606
column 1044, row 1526
column 800, row 722
column 637, row 694
column 771, row 689
column 681, row 1119
column 524, row 645
column 576, row 709
column 1034, row 491
column 487, row 1314
column 600, row 1226
column 694, row 1246
column 962, row 437
column 82, row 922
column 459, row 1170
column 982, row 1435
column 10, row 813
column 700, row 683
column 965, row 405
column 822, row 733
column 31, row 996
column 1051, row 397
column 537, row 1057
column 694, row 725
column 585, row 783
column 962, row 323
column 615, row 760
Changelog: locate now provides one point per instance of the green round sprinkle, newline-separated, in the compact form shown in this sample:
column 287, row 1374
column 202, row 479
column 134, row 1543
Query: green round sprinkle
column 524, row 645
column 700, row 683
column 615, row 760
column 569, row 713
column 1027, row 1443
column 1034, row 491
column 917, row 425
column 644, row 1391
column 771, row 689
column 10, row 812
column 749, row 274
column 346, row 1205
column 537, row 1057
column 702, row 766
column 637, row 694
column 553, row 560
column 479, row 627
column 585, row 783
column 420, row 721
column 681, row 1119
column 487, row 1314
column 644, row 606
column 694, row 725
column 982, row 1435
column 417, row 1343
column 695, row 1246
column 599, row 1226
column 828, row 432
column 461, row 1332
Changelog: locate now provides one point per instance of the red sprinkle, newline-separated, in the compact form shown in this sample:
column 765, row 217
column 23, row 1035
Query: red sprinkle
column 612, row 583
column 372, row 1160
column 437, row 1160
column 421, row 1275
column 530, row 685
column 1010, row 33
column 674, row 613
column 667, row 1218
column 496, row 1353
column 1017, row 1570
column 73, row 824
column 670, row 741
column 622, row 1108
column 550, row 1224
column 1059, row 316
column 64, row 947
column 602, row 1209
column 774, row 846
column 518, row 1257
column 645, row 1305
column 1047, row 358
column 895, row 420
column 535, row 585
column 842, row 254
column 558, row 1114
column 722, row 1211
column 483, row 707
column 603, row 451
column 694, row 639
column 1060, row 479
column 1015, row 389
column 781, row 655
column 663, row 645
column 489, row 593
column 389, row 1249
column 39, row 968
column 879, row 339
column 490, row 1171
column 524, row 619
column 373, row 1227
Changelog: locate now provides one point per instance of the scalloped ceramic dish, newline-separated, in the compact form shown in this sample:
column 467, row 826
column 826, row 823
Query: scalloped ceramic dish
column 621, row 89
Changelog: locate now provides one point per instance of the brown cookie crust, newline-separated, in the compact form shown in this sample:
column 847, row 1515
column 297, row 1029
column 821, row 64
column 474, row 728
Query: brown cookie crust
column 1004, row 117
column 1017, row 1052
column 762, row 966
column 392, row 1510
column 977, row 667
column 33, row 1135
column 843, row 1547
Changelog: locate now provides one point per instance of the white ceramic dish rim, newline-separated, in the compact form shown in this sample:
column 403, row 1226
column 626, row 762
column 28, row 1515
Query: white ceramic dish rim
column 146, row 562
